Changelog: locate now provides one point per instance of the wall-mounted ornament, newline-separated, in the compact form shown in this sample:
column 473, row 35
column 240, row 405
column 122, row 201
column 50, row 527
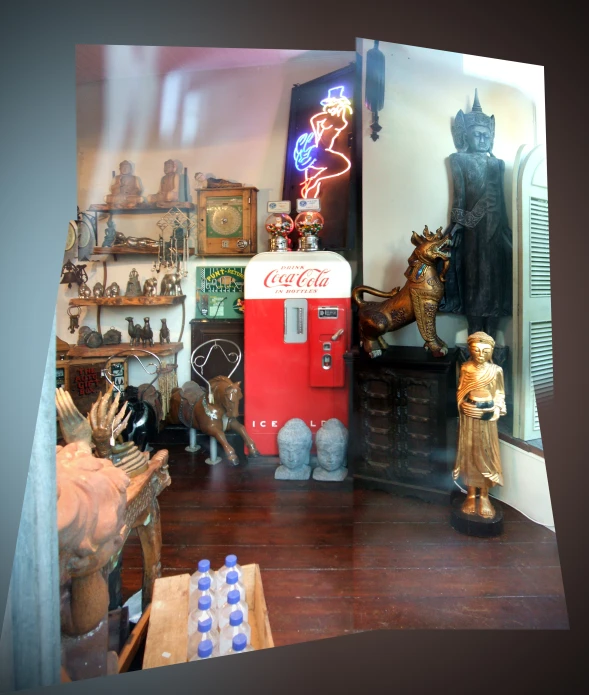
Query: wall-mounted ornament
column 375, row 87
column 74, row 313
column 173, row 253
column 71, row 274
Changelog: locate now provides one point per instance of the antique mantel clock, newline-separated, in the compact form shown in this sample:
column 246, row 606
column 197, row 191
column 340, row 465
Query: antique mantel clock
column 227, row 221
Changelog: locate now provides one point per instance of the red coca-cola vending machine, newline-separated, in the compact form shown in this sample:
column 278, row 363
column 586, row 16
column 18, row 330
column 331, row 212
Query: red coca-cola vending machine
column 297, row 324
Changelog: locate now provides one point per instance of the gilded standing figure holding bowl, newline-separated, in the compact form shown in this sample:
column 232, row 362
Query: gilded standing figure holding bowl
column 481, row 402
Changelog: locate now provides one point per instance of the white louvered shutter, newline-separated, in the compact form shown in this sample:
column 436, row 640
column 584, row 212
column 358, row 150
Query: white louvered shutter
column 533, row 373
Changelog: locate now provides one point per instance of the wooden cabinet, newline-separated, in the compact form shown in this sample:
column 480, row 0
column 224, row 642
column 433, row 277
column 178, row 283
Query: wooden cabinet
column 227, row 221
column 403, row 421
column 201, row 331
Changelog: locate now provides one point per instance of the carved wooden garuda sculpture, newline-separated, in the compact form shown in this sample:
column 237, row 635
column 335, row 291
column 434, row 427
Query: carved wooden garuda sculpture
column 417, row 301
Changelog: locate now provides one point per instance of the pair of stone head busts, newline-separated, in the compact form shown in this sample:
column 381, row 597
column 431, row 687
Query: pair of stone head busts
column 295, row 441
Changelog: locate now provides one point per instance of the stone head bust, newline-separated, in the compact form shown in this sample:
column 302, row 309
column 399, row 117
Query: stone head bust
column 294, row 444
column 331, row 442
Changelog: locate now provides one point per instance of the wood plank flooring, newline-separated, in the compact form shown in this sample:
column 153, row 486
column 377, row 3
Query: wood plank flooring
column 335, row 560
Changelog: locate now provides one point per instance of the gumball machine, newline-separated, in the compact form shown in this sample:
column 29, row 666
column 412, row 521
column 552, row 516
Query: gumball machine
column 308, row 224
column 279, row 225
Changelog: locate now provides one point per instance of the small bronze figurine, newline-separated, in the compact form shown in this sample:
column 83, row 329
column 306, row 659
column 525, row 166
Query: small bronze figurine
column 110, row 233
column 171, row 285
column 112, row 337
column 113, row 290
column 150, row 287
column 133, row 285
column 98, row 290
column 417, row 301
column 134, row 331
column 164, row 332
column 481, row 402
column 146, row 333
column 84, row 292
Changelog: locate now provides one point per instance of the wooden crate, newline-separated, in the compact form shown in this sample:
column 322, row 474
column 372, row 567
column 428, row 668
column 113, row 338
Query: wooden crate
column 167, row 634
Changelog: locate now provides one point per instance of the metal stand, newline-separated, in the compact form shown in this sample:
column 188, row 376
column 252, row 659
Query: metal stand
column 199, row 363
column 193, row 446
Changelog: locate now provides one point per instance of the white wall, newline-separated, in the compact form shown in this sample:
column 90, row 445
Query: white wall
column 228, row 123
column 406, row 179
column 526, row 484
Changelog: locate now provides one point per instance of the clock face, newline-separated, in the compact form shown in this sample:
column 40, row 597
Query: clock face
column 84, row 239
column 224, row 217
column 71, row 236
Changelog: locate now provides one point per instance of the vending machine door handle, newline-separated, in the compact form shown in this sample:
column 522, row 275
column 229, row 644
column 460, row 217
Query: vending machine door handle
column 338, row 334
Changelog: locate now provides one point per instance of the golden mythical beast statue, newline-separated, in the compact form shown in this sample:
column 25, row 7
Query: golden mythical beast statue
column 417, row 301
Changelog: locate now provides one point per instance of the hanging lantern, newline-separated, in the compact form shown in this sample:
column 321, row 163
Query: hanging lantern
column 375, row 84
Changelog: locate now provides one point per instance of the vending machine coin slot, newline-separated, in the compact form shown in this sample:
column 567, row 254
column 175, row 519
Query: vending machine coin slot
column 295, row 320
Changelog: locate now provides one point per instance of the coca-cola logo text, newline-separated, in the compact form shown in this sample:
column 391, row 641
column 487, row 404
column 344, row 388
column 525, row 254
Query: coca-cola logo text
column 303, row 278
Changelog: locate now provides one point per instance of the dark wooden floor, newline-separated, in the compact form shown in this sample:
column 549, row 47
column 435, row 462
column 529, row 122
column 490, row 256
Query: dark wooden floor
column 336, row 560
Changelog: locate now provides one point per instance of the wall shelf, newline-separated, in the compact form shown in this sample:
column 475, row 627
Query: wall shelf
column 127, row 251
column 128, row 301
column 164, row 350
column 97, row 207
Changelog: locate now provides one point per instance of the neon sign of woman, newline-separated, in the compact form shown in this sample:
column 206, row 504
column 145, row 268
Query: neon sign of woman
column 316, row 152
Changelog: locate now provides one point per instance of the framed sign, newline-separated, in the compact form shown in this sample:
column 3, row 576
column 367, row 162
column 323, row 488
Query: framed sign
column 83, row 379
column 219, row 292
column 320, row 153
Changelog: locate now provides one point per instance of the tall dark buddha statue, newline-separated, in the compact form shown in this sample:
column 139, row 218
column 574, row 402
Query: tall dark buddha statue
column 479, row 279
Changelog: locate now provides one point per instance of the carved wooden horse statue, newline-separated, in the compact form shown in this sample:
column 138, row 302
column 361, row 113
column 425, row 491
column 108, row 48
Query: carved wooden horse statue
column 191, row 406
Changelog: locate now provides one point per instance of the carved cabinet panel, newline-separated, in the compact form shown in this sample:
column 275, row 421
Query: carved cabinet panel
column 403, row 420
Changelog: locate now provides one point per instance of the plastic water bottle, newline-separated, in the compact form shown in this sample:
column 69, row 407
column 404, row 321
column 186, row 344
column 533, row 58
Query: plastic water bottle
column 233, row 604
column 204, row 570
column 203, row 588
column 232, row 583
column 204, row 633
column 240, row 645
column 229, row 566
column 205, row 651
column 203, row 612
column 236, row 627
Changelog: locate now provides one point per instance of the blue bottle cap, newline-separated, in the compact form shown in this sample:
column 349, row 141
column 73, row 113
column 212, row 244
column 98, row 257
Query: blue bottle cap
column 204, row 566
column 232, row 578
column 205, row 648
column 204, row 583
column 239, row 642
column 205, row 625
column 230, row 560
column 233, row 596
column 204, row 603
column 235, row 618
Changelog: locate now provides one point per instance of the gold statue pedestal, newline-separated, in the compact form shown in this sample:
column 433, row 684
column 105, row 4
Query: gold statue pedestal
column 474, row 524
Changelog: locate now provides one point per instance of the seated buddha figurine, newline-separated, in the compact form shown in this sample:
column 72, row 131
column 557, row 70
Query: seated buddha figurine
column 126, row 188
column 169, row 191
